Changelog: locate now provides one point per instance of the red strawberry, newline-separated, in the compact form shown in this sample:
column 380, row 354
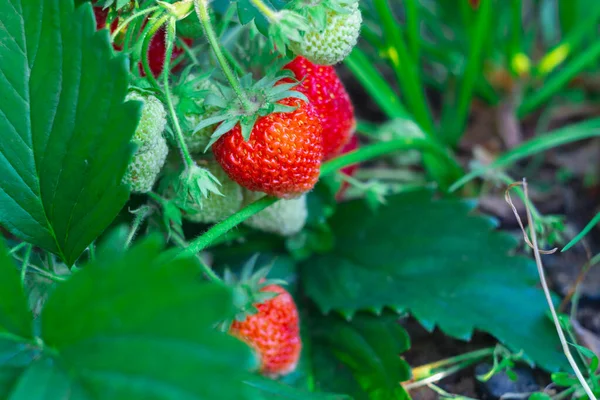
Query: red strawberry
column 101, row 16
column 327, row 94
column 282, row 156
column 273, row 332
column 350, row 170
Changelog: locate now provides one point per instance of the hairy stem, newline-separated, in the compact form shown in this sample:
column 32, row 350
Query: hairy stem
column 25, row 264
column 17, row 248
column 201, row 7
column 185, row 153
column 212, row 276
column 265, row 10
column 146, row 47
column 357, row 156
column 137, row 222
column 131, row 18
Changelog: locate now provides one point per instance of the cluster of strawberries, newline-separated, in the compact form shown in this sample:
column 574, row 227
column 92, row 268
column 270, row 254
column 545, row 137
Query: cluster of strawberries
column 285, row 150
column 282, row 157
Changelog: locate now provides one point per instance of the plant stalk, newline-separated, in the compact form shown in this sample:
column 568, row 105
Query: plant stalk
column 25, row 263
column 201, row 7
column 169, row 43
column 146, row 47
column 354, row 157
column 131, row 18
column 540, row 268
column 212, row 276
column 265, row 10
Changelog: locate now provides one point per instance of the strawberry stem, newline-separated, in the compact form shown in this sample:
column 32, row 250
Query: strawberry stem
column 169, row 43
column 212, row 276
column 361, row 155
column 146, row 47
column 131, row 18
column 265, row 10
column 201, row 7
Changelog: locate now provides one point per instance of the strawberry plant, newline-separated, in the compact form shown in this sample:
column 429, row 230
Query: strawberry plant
column 196, row 203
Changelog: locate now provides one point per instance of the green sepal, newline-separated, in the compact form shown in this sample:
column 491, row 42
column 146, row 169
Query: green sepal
column 247, row 288
column 191, row 186
column 263, row 95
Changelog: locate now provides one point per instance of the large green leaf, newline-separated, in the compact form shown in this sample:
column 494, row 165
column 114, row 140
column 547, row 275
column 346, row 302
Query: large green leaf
column 247, row 11
column 65, row 130
column 131, row 327
column 370, row 348
column 44, row 380
column 447, row 268
column 15, row 317
column 271, row 389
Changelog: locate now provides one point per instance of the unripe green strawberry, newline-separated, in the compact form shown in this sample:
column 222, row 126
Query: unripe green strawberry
column 214, row 206
column 152, row 147
column 286, row 217
column 152, row 122
column 145, row 167
column 197, row 141
column 331, row 45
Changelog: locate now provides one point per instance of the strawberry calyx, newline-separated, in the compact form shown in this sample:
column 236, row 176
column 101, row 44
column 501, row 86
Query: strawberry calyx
column 190, row 186
column 315, row 11
column 261, row 99
column 247, row 288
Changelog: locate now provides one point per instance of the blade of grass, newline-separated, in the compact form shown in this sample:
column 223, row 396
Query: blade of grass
column 568, row 15
column 405, row 68
column 585, row 29
column 516, row 29
column 412, row 31
column 559, row 80
column 376, row 86
column 384, row 96
column 478, row 39
column 559, row 137
column 584, row 232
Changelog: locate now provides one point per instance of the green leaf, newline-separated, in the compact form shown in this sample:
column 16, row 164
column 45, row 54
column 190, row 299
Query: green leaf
column 15, row 317
column 65, row 130
column 559, row 137
column 370, row 347
column 46, row 380
column 272, row 389
column 247, row 13
column 584, row 232
column 132, row 327
column 540, row 396
column 374, row 83
column 447, row 268
column 8, row 377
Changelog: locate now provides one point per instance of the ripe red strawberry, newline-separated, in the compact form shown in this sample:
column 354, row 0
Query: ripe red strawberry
column 327, row 94
column 474, row 4
column 350, row 170
column 101, row 15
column 282, row 156
column 273, row 332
